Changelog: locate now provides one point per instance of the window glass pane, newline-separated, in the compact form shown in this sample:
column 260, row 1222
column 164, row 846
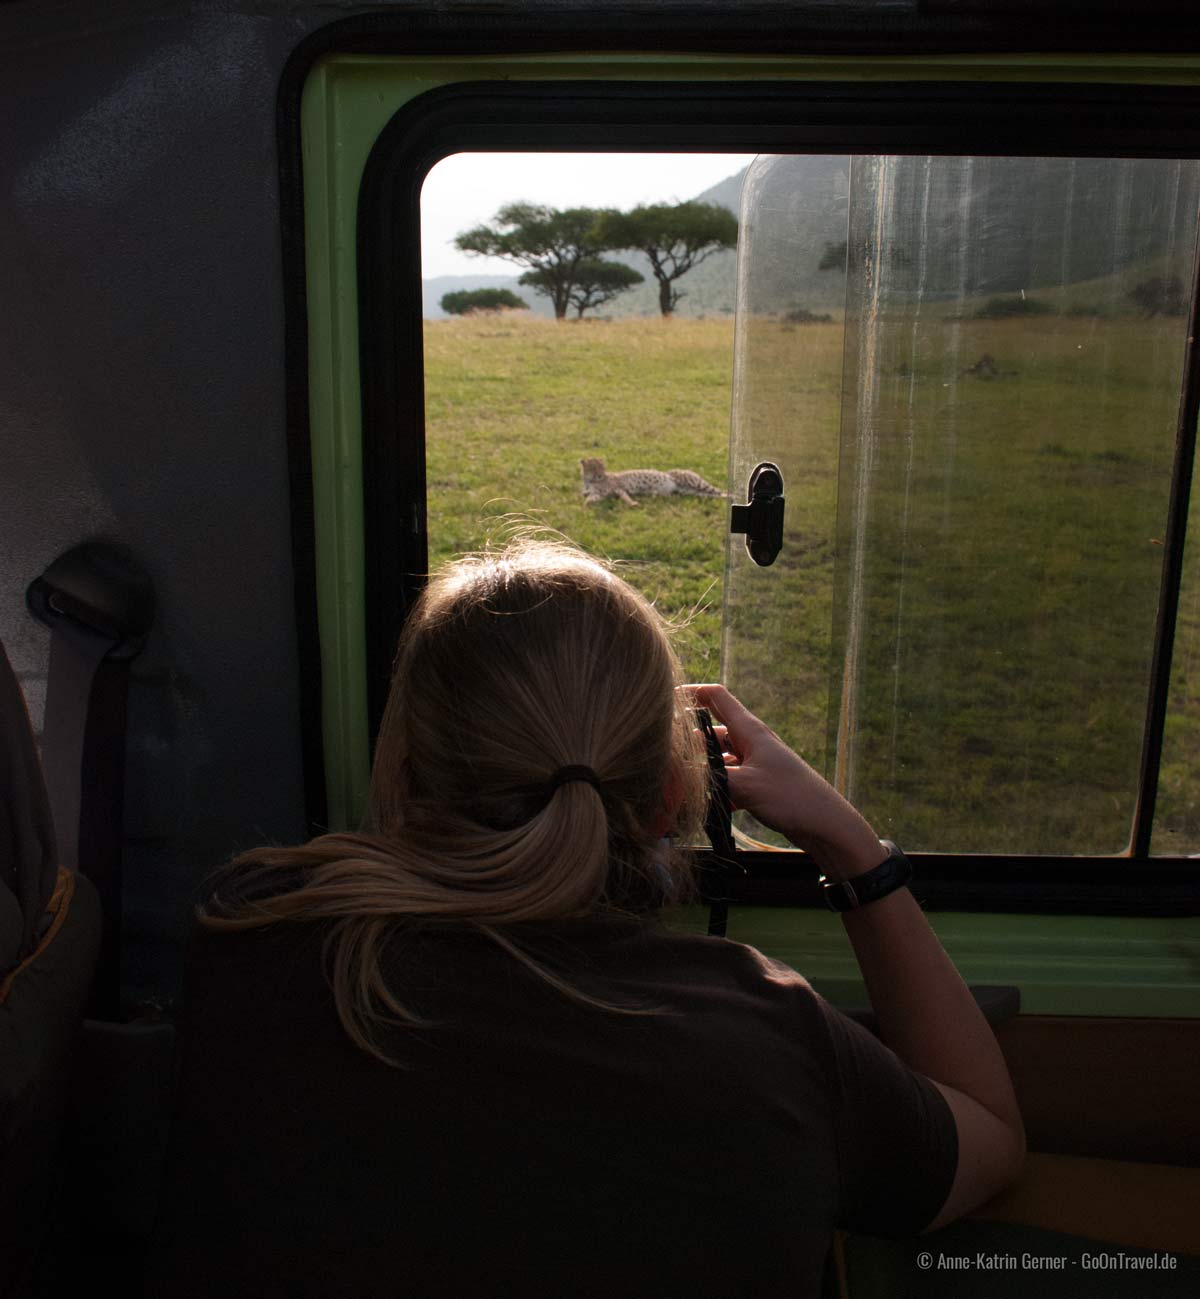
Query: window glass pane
column 776, row 642
column 1013, row 348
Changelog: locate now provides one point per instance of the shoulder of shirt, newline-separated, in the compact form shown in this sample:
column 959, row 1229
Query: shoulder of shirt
column 738, row 958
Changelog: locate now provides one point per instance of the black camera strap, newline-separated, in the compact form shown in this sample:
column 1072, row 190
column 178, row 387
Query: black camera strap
column 720, row 872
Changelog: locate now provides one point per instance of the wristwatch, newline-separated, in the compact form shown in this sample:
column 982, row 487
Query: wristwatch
column 887, row 877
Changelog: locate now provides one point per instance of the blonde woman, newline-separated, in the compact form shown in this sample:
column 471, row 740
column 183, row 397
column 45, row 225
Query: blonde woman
column 458, row 1054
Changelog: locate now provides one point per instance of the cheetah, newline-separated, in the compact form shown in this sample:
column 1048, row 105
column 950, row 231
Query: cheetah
column 599, row 485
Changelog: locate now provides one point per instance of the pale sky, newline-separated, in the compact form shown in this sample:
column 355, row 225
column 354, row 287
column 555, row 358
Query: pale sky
column 466, row 190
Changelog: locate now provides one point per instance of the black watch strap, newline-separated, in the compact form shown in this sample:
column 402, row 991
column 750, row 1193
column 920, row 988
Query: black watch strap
column 893, row 874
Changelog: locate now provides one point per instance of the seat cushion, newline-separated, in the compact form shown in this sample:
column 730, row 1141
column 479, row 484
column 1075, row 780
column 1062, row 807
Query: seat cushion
column 12, row 929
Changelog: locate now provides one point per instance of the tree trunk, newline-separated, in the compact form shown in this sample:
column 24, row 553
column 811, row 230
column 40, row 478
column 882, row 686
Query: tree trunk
column 666, row 302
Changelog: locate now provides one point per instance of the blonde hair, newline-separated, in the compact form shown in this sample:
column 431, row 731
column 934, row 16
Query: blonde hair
column 511, row 664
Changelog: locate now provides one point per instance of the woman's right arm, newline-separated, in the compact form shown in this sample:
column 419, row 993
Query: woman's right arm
column 925, row 1013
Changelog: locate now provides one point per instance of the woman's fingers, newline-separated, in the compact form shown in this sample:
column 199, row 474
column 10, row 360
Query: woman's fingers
column 724, row 707
column 716, row 699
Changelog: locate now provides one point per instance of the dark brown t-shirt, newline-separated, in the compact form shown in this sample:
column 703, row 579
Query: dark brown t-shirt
column 534, row 1147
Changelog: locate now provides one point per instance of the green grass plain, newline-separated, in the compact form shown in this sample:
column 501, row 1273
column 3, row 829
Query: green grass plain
column 513, row 404
column 984, row 553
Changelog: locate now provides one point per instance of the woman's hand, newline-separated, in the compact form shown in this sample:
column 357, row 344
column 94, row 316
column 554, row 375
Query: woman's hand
column 779, row 788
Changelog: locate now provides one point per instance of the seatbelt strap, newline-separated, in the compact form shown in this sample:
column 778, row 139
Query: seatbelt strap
column 99, row 606
column 76, row 653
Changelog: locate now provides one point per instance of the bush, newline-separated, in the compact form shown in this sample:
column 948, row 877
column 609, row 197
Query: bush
column 458, row 304
column 1161, row 295
column 802, row 316
column 1004, row 308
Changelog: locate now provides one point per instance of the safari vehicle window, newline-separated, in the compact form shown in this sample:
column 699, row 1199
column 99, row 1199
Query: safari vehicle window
column 969, row 371
column 977, row 378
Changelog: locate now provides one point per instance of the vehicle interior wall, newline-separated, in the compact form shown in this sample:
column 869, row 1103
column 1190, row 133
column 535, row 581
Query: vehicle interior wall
column 141, row 373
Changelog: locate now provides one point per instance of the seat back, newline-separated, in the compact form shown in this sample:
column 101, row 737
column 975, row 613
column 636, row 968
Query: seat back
column 49, row 943
column 28, row 855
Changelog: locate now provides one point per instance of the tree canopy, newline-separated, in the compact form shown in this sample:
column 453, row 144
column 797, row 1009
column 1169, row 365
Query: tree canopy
column 464, row 300
column 836, row 257
column 551, row 242
column 596, row 282
column 673, row 236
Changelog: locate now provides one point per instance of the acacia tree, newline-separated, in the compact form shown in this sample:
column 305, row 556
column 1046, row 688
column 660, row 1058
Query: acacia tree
column 674, row 237
column 551, row 242
column 596, row 282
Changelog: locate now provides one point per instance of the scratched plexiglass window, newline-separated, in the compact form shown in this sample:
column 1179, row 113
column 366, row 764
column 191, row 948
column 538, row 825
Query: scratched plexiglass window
column 1177, row 809
column 969, row 371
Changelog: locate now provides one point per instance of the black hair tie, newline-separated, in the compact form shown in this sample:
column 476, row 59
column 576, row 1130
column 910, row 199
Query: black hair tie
column 564, row 775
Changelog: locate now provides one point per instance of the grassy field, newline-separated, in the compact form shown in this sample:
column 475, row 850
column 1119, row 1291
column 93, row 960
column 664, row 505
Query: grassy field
column 969, row 581
column 513, row 404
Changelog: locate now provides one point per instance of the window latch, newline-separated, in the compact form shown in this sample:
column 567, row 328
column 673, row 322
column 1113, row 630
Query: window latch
column 761, row 518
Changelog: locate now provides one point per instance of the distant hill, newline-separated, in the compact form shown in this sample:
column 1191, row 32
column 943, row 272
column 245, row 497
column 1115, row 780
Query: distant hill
column 964, row 229
column 960, row 229
column 798, row 207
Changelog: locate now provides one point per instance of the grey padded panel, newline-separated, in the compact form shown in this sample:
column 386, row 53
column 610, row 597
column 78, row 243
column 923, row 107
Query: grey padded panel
column 28, row 854
column 142, row 399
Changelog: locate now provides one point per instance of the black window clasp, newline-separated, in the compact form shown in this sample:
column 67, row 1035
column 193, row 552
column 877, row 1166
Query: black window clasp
column 761, row 518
